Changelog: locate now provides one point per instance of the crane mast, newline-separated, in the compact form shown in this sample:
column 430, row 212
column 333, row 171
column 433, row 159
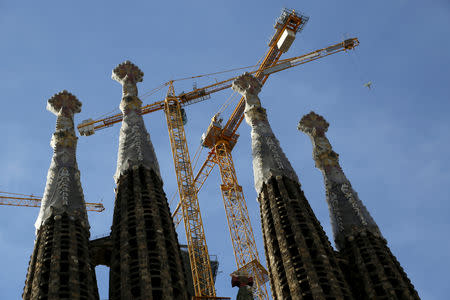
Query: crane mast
column 195, row 235
column 223, row 141
column 287, row 25
column 215, row 132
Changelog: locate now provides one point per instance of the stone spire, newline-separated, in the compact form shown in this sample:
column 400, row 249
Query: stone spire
column 269, row 159
column 135, row 147
column 371, row 269
column 348, row 214
column 146, row 260
column 63, row 192
column 60, row 266
column 301, row 262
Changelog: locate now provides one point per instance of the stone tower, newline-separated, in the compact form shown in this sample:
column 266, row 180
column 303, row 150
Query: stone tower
column 60, row 266
column 146, row 260
column 300, row 259
column 372, row 270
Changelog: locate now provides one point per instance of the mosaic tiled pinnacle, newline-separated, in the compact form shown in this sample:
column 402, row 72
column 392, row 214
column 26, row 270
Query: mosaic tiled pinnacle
column 372, row 270
column 60, row 265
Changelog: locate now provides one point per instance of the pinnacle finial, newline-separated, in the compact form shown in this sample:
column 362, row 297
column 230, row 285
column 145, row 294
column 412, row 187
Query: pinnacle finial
column 65, row 102
column 313, row 123
column 247, row 84
column 128, row 74
column 127, row 71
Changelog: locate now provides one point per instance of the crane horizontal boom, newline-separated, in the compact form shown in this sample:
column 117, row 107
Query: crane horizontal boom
column 228, row 132
column 88, row 127
column 284, row 64
column 33, row 201
column 236, row 118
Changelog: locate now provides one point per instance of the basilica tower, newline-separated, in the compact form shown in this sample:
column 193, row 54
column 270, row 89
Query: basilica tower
column 372, row 270
column 60, row 265
column 300, row 259
column 146, row 261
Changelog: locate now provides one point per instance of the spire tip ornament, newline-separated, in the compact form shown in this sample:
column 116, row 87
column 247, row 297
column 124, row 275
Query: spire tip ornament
column 313, row 123
column 65, row 101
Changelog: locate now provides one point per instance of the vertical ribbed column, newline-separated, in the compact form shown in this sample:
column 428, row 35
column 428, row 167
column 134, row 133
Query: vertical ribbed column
column 372, row 270
column 300, row 259
column 146, row 259
column 60, row 266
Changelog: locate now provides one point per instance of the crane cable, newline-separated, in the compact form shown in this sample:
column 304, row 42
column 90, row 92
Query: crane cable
column 234, row 94
column 156, row 89
column 173, row 198
column 145, row 95
column 161, row 86
column 222, row 108
column 215, row 73
column 196, row 156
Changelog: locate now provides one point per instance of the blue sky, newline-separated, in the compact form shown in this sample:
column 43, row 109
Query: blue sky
column 393, row 140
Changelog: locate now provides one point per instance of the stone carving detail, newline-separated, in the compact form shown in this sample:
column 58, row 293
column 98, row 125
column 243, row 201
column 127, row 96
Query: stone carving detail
column 137, row 142
column 63, row 192
column 348, row 214
column 268, row 157
column 135, row 146
column 249, row 87
column 334, row 208
column 128, row 74
column 64, row 185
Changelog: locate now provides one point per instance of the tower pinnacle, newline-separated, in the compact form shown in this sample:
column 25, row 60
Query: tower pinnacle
column 60, row 266
column 268, row 157
column 371, row 269
column 128, row 75
column 301, row 262
column 63, row 192
column 348, row 214
column 135, row 147
column 146, row 260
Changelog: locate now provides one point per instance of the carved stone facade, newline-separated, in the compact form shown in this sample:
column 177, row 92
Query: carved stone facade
column 348, row 213
column 146, row 260
column 135, row 147
column 300, row 259
column 60, row 266
column 269, row 159
column 372, row 270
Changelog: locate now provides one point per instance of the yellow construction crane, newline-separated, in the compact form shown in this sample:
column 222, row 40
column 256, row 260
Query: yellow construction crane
column 247, row 259
column 215, row 131
column 221, row 141
column 12, row 199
